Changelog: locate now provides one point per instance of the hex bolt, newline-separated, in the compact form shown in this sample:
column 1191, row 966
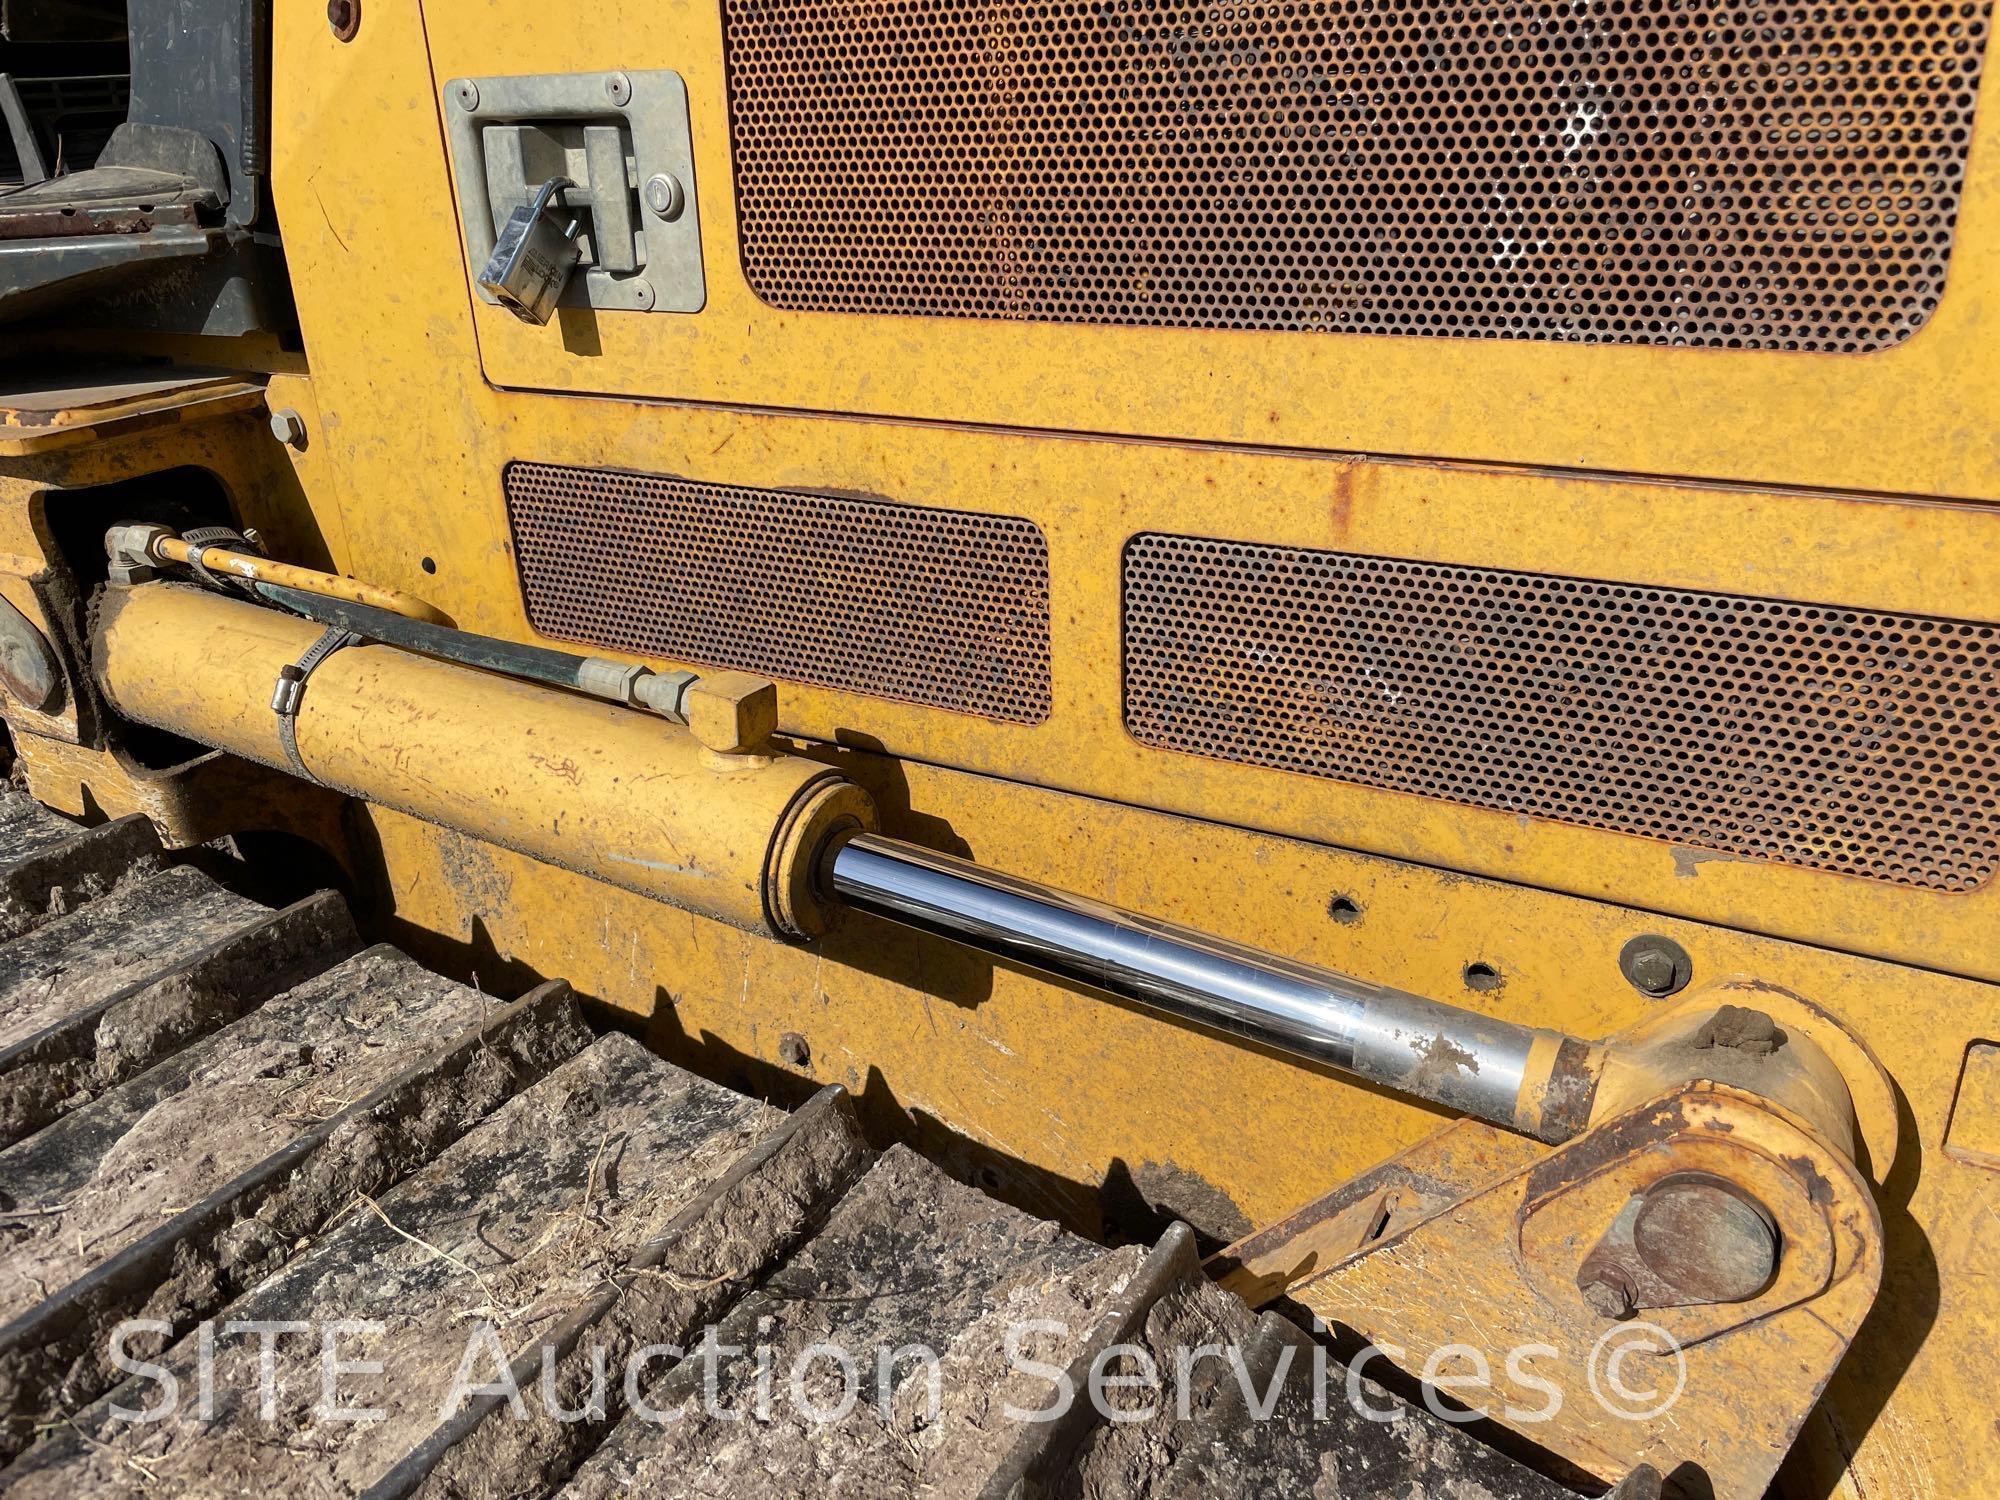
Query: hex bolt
column 288, row 427
column 466, row 92
column 1655, row 966
column 793, row 1051
column 1608, row 1291
column 1653, row 971
column 618, row 88
column 665, row 196
column 344, row 16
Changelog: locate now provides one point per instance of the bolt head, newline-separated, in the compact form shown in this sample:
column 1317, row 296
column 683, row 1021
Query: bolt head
column 1655, row 966
column 129, row 575
column 619, row 88
column 1653, row 972
column 466, row 92
column 288, row 427
column 793, row 1051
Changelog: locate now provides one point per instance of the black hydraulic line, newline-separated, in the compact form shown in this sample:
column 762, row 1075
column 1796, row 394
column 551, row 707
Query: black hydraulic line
column 600, row 677
column 538, row 663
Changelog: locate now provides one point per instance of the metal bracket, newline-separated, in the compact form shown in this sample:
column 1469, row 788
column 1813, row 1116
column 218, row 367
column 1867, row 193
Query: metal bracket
column 611, row 134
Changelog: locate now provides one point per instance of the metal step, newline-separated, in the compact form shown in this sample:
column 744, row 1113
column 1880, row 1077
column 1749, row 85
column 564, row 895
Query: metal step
column 476, row 1207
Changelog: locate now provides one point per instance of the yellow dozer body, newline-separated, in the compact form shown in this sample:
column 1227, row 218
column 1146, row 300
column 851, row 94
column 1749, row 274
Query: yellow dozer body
column 1304, row 696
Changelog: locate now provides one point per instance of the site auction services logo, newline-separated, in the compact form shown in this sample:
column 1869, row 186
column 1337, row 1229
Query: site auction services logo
column 1635, row 1371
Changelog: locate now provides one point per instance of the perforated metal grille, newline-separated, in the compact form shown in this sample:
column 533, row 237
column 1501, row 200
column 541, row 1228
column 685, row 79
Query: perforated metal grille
column 1837, row 739
column 898, row 601
column 1756, row 175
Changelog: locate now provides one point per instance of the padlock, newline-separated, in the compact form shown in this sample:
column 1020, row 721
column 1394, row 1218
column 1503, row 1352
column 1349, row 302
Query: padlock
column 535, row 254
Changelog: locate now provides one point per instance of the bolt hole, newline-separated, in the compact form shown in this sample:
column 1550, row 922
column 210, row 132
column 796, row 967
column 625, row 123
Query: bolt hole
column 429, row 565
column 1481, row 976
column 1344, row 909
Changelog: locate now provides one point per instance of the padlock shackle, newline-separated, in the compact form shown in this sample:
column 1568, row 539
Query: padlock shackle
column 549, row 190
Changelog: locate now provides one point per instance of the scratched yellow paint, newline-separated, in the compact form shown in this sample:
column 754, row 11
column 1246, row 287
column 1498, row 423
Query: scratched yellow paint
column 1914, row 419
column 1815, row 475
column 1815, row 478
column 413, row 438
column 1059, row 1091
column 233, row 450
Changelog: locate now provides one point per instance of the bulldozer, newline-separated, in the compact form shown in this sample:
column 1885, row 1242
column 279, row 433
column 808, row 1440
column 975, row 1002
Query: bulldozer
column 1053, row 748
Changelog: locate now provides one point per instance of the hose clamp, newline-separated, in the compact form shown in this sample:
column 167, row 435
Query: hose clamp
column 290, row 690
column 200, row 538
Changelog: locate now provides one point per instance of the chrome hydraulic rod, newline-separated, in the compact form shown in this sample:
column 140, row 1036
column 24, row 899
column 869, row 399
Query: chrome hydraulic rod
column 1521, row 1077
